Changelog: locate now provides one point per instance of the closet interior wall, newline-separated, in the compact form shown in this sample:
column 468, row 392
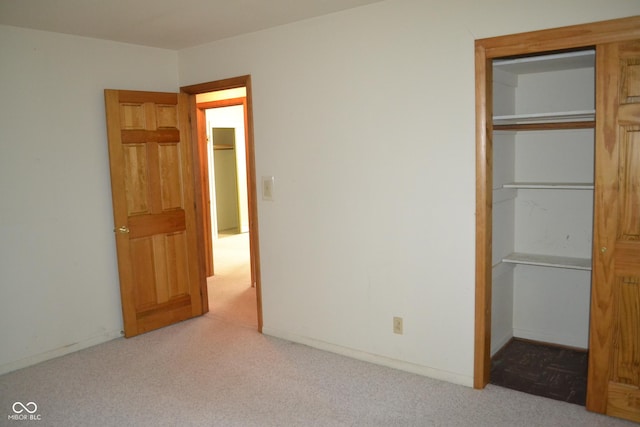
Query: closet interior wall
column 542, row 198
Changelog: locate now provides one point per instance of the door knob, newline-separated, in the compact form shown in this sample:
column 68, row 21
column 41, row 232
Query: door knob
column 123, row 229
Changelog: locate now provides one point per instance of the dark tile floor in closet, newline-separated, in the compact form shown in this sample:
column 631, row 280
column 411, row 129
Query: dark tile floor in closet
column 544, row 370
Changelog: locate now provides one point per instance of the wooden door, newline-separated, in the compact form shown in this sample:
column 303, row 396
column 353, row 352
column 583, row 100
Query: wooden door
column 614, row 364
column 152, row 184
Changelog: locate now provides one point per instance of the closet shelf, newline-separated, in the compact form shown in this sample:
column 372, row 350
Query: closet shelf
column 548, row 261
column 550, row 185
column 223, row 146
column 544, row 63
column 581, row 119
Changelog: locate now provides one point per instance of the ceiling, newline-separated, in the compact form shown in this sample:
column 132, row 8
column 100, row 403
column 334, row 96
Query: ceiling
column 169, row 24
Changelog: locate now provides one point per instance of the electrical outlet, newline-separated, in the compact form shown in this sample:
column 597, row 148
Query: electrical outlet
column 397, row 325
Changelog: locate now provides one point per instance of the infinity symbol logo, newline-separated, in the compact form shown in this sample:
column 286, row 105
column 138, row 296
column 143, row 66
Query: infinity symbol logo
column 30, row 407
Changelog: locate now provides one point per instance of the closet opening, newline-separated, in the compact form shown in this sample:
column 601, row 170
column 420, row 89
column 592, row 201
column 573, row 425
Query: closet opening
column 557, row 237
column 543, row 120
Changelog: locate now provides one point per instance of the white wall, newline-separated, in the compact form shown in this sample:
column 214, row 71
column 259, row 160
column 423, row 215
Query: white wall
column 366, row 120
column 58, row 275
column 503, row 213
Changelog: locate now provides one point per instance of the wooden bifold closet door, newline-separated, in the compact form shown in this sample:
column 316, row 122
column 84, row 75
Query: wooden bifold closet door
column 614, row 364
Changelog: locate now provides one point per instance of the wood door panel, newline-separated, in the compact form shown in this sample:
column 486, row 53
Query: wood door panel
column 171, row 270
column 132, row 116
column 623, row 401
column 166, row 116
column 143, row 136
column 154, row 209
column 165, row 314
column 632, row 81
column 177, row 264
column 626, row 340
column 140, row 97
column 165, row 222
column 630, row 181
column 628, row 114
column 170, row 176
column 142, row 255
column 136, row 174
column 161, row 269
column 160, row 280
column 630, row 77
column 614, row 363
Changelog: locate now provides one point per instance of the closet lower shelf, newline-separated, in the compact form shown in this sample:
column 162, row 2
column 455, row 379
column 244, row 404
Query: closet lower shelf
column 548, row 261
column 549, row 185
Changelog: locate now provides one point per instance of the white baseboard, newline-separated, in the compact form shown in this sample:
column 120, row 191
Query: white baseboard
column 413, row 368
column 52, row 354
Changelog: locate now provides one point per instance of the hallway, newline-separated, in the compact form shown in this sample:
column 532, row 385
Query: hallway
column 231, row 296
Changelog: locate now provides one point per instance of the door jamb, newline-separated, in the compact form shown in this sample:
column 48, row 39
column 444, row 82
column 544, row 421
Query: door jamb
column 201, row 185
column 571, row 37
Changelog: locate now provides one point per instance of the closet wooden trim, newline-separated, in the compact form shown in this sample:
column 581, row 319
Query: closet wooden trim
column 484, row 201
column 564, row 38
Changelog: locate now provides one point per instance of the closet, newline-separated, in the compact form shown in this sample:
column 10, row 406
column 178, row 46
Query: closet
column 558, row 201
column 543, row 146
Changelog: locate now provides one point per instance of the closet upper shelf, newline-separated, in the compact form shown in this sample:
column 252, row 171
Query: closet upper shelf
column 553, row 62
column 582, row 119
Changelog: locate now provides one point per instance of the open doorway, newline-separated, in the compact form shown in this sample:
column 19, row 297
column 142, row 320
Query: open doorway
column 230, row 287
column 223, row 131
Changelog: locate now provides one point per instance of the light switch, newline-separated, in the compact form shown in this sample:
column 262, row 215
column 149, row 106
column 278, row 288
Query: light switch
column 268, row 183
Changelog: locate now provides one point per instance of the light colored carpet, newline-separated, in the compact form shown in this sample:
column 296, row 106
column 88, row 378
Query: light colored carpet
column 216, row 371
column 207, row 372
column 231, row 296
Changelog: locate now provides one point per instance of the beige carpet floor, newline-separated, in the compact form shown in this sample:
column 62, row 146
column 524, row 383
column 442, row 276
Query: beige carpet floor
column 208, row 372
column 231, row 296
column 216, row 371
